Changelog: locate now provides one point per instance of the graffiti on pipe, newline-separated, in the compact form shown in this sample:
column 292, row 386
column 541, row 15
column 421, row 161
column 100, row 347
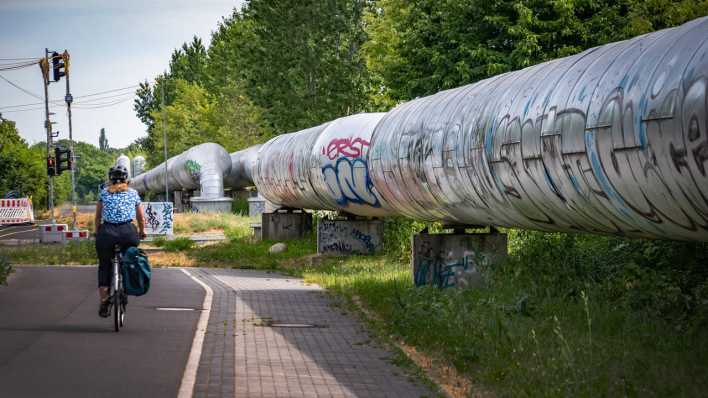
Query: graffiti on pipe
column 347, row 178
column 194, row 169
column 347, row 147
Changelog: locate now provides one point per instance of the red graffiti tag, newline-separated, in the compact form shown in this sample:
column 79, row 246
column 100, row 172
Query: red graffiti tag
column 347, row 147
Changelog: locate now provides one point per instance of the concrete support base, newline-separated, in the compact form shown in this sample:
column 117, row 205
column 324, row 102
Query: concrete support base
column 455, row 260
column 216, row 205
column 344, row 237
column 285, row 225
column 256, row 206
column 179, row 206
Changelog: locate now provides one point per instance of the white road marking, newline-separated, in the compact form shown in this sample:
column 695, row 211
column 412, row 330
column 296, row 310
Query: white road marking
column 17, row 232
column 189, row 378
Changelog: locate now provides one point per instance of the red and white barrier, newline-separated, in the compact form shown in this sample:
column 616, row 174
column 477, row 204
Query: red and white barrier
column 60, row 233
column 16, row 211
column 53, row 233
column 76, row 235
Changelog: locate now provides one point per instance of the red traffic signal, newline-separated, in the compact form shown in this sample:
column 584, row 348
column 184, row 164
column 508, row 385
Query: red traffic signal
column 50, row 166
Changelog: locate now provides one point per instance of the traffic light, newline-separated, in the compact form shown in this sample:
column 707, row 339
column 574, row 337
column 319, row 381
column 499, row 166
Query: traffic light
column 50, row 166
column 58, row 67
column 63, row 160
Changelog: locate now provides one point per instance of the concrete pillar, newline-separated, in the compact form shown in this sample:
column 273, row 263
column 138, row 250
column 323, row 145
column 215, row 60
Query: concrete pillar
column 215, row 205
column 256, row 205
column 179, row 206
column 344, row 237
column 285, row 225
column 454, row 260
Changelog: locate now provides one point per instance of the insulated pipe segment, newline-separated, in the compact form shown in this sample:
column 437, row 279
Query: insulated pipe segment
column 613, row 140
column 242, row 165
column 201, row 167
column 324, row 167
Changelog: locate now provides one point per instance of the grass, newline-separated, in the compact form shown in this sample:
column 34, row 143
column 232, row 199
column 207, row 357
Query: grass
column 187, row 223
column 73, row 253
column 180, row 243
column 239, row 251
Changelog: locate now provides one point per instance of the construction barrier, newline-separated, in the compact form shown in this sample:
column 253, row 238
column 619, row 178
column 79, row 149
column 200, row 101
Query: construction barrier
column 16, row 211
column 76, row 235
column 53, row 233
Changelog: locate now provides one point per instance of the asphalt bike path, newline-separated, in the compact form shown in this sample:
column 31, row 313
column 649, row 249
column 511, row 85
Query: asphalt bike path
column 54, row 344
column 207, row 333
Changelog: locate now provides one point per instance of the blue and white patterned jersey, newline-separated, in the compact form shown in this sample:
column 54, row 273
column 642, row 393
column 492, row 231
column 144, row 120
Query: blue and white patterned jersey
column 119, row 207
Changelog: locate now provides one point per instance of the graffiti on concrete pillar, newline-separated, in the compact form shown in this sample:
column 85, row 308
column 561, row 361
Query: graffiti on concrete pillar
column 349, row 237
column 159, row 218
column 445, row 273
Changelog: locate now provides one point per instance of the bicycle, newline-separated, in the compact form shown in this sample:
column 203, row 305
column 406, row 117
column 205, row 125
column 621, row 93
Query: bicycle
column 118, row 298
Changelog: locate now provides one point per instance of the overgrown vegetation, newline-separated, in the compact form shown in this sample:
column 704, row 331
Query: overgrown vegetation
column 567, row 315
column 73, row 253
column 5, row 269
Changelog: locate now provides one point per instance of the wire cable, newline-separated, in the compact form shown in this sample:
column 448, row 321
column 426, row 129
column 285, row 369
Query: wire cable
column 20, row 59
column 31, row 94
column 61, row 100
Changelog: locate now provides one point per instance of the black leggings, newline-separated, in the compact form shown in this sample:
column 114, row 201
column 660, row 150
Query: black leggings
column 108, row 236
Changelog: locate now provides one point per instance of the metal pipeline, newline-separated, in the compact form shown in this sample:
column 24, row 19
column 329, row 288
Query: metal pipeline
column 323, row 167
column 138, row 165
column 613, row 140
column 201, row 167
column 124, row 161
column 242, row 165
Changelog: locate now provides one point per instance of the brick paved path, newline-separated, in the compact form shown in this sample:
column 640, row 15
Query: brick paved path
column 256, row 344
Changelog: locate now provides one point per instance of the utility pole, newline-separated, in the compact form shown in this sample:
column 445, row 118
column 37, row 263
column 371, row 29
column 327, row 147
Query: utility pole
column 69, row 99
column 164, row 136
column 44, row 65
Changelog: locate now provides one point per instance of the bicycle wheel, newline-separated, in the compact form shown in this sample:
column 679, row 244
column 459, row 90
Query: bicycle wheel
column 116, row 311
column 116, row 294
column 122, row 307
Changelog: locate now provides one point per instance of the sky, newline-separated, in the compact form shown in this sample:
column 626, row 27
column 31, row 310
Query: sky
column 112, row 44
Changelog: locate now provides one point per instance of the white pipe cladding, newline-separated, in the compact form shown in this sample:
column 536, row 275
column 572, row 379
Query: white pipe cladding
column 323, row 167
column 200, row 167
column 613, row 140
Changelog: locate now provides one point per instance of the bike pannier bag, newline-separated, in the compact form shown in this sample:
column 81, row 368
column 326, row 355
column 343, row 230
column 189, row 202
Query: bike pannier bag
column 136, row 272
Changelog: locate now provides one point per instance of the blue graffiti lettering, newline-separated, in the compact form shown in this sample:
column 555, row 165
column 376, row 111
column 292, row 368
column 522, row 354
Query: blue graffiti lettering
column 348, row 181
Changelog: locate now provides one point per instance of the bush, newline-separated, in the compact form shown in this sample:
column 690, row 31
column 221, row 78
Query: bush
column 240, row 206
column 5, row 269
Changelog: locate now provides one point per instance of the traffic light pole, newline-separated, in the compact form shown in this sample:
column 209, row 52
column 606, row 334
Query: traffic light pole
column 69, row 99
column 48, row 126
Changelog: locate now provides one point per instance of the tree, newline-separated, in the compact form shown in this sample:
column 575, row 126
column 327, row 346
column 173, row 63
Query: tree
column 298, row 61
column 103, row 141
column 420, row 47
column 91, row 167
column 195, row 117
column 22, row 171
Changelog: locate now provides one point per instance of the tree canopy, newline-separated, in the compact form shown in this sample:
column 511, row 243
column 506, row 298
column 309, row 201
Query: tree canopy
column 276, row 66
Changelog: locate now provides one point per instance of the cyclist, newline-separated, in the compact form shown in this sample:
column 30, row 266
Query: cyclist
column 118, row 205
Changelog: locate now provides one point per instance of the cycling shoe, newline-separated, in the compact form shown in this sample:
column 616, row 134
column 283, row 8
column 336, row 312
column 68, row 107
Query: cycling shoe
column 104, row 310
